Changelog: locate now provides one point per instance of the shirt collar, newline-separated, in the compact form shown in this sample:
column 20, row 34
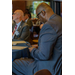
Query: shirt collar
column 52, row 16
column 19, row 23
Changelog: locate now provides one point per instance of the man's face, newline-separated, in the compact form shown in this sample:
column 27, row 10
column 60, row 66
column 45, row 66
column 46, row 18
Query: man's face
column 41, row 17
column 15, row 16
column 25, row 17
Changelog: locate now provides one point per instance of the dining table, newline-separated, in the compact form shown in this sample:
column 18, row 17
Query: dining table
column 20, row 49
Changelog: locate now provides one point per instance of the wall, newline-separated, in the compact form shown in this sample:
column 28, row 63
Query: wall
column 28, row 3
column 18, row 5
column 21, row 5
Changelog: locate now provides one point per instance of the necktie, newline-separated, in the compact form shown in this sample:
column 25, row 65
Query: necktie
column 14, row 29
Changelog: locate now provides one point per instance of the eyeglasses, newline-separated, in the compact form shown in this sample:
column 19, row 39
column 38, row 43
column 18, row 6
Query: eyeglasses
column 14, row 13
column 39, row 13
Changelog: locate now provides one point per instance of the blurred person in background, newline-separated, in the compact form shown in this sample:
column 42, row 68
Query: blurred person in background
column 27, row 11
column 48, row 55
column 28, row 20
column 20, row 30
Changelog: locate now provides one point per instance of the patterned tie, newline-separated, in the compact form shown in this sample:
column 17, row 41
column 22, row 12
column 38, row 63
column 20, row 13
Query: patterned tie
column 14, row 29
column 14, row 32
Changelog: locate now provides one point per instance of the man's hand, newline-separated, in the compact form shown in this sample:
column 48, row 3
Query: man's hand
column 41, row 26
column 33, row 46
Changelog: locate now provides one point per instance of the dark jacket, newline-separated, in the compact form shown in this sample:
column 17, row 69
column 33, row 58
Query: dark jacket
column 23, row 30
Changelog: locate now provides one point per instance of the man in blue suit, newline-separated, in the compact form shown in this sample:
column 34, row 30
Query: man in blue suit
column 48, row 55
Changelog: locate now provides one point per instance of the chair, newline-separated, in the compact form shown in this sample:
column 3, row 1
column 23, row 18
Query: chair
column 43, row 72
column 57, row 69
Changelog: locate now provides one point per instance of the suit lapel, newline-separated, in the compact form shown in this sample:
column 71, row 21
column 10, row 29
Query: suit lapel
column 13, row 26
column 19, row 28
column 27, row 20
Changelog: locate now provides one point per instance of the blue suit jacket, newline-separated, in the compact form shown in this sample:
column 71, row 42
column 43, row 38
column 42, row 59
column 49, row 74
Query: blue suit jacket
column 49, row 53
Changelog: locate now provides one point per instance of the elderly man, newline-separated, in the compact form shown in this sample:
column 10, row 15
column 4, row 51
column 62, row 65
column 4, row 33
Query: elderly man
column 20, row 30
column 48, row 55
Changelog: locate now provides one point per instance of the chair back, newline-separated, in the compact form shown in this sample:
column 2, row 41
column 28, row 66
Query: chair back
column 43, row 72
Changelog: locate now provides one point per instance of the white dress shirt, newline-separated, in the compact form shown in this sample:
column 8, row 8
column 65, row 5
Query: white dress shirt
column 18, row 24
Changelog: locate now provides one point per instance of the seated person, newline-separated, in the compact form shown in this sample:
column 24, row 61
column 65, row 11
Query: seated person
column 27, row 11
column 48, row 55
column 27, row 20
column 20, row 30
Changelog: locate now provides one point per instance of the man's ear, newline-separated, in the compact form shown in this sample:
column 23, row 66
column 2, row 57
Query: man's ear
column 43, row 13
